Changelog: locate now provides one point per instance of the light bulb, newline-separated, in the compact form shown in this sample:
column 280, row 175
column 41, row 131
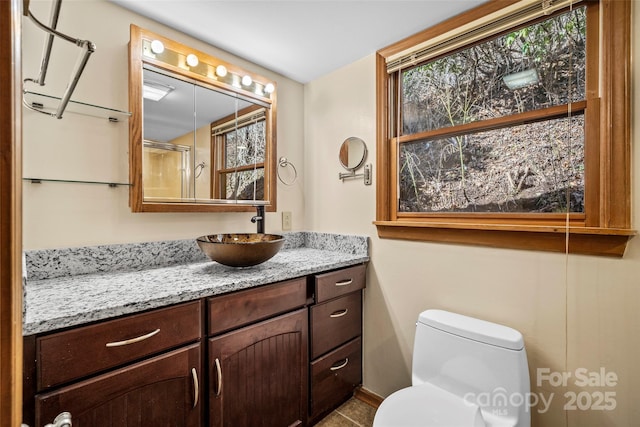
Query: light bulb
column 157, row 46
column 221, row 70
column 247, row 80
column 192, row 60
column 269, row 88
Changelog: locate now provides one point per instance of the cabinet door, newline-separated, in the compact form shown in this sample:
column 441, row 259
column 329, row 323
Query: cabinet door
column 162, row 391
column 258, row 374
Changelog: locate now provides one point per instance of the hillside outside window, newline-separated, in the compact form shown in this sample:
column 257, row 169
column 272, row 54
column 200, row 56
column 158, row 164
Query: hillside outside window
column 491, row 129
column 494, row 127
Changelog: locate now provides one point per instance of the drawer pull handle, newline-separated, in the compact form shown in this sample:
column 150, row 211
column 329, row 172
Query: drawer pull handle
column 339, row 313
column 196, row 387
column 132, row 340
column 340, row 366
column 344, row 282
column 219, row 372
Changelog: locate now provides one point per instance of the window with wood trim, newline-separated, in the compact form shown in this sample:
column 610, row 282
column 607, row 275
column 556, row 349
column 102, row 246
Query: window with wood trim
column 491, row 129
column 238, row 150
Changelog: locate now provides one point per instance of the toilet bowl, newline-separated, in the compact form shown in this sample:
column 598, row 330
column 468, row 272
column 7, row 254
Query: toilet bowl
column 427, row 405
column 466, row 372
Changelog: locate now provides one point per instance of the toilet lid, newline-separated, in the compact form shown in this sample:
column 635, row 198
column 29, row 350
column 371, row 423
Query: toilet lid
column 427, row 406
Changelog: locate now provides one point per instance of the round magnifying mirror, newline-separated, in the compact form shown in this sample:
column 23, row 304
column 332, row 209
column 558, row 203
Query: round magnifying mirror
column 353, row 153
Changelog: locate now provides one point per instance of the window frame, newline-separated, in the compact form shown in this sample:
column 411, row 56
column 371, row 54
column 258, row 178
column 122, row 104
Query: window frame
column 605, row 226
column 218, row 154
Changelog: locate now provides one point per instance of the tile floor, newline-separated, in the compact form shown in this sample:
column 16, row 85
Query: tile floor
column 353, row 413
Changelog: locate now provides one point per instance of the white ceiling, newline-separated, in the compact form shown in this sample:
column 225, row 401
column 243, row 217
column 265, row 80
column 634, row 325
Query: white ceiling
column 300, row 39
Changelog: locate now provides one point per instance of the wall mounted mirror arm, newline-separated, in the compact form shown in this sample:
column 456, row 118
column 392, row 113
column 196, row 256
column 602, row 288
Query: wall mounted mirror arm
column 366, row 174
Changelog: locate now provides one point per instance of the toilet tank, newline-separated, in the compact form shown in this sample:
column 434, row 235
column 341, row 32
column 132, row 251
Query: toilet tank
column 482, row 362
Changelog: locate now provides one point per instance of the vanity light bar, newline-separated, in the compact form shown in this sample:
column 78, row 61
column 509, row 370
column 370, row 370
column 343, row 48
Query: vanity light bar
column 155, row 49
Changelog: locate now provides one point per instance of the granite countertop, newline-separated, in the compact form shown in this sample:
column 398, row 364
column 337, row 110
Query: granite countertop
column 68, row 287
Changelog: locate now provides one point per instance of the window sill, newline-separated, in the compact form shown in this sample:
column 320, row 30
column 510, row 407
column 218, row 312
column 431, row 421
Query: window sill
column 610, row 242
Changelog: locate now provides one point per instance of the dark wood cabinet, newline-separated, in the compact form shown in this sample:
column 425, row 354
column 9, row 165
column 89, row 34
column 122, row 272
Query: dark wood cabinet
column 161, row 391
column 335, row 341
column 328, row 286
column 278, row 355
column 335, row 322
column 231, row 311
column 258, row 374
column 135, row 371
column 258, row 356
column 335, row 375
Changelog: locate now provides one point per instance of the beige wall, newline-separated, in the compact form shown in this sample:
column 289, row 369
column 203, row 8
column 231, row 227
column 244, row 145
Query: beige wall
column 85, row 148
column 574, row 312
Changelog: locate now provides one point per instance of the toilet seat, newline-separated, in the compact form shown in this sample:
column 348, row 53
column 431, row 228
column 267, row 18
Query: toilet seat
column 426, row 405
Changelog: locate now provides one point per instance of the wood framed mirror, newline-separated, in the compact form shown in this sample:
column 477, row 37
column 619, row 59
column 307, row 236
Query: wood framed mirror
column 202, row 135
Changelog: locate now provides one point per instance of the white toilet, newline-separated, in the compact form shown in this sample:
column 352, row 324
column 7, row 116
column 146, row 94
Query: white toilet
column 466, row 373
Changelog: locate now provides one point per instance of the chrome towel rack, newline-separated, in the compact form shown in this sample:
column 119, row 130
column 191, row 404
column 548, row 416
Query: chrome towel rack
column 283, row 163
column 87, row 49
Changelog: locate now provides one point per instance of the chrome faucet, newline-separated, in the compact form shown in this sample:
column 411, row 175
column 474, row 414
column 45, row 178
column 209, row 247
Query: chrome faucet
column 259, row 219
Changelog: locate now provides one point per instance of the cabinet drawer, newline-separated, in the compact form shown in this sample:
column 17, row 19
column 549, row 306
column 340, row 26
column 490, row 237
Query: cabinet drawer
column 335, row 322
column 72, row 354
column 341, row 282
column 230, row 311
column 334, row 376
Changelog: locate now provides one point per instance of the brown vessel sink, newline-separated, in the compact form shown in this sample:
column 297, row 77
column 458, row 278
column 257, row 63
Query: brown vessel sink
column 240, row 250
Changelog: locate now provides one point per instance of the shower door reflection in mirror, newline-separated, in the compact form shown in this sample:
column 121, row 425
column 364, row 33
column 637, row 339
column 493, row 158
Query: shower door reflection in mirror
column 166, row 170
column 168, row 137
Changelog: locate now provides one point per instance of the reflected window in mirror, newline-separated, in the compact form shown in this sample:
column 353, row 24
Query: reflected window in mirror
column 238, row 147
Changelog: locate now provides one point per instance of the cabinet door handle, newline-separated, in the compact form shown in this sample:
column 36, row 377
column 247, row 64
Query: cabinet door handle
column 341, row 365
column 344, row 282
column 62, row 420
column 219, row 372
column 339, row 313
column 196, row 387
column 132, row 340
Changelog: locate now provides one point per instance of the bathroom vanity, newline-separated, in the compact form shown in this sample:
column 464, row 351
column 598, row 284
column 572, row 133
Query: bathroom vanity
column 109, row 374
column 277, row 344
